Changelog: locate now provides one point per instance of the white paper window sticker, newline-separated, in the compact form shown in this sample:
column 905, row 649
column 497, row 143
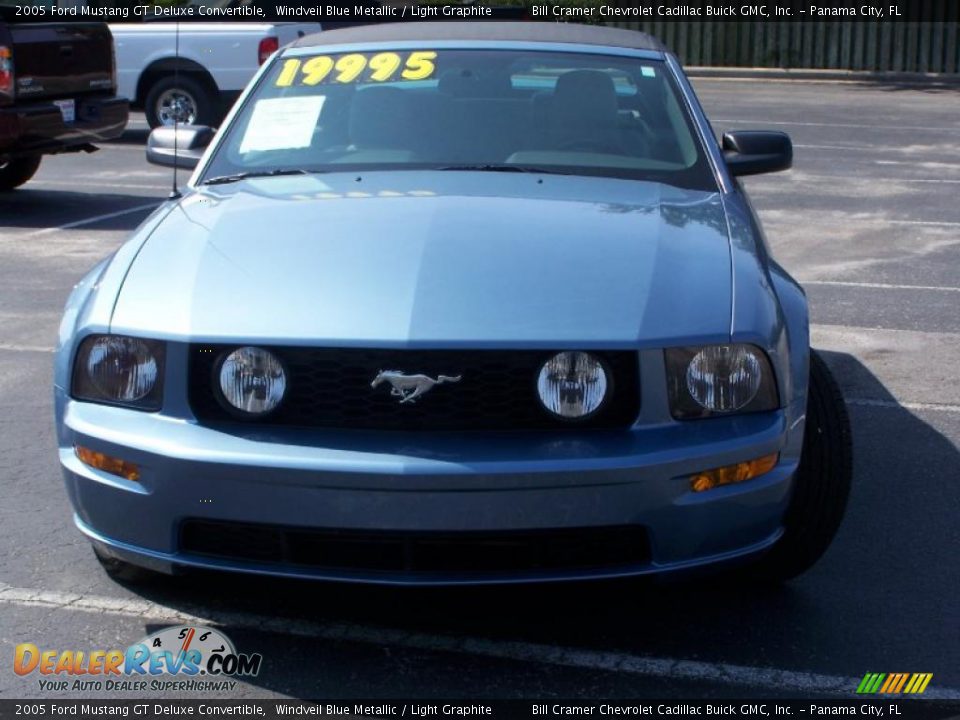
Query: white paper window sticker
column 282, row 123
column 647, row 71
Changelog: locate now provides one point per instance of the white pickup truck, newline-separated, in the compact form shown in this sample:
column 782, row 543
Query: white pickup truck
column 199, row 83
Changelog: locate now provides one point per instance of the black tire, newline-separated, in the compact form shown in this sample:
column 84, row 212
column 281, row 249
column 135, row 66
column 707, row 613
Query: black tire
column 16, row 172
column 201, row 102
column 822, row 484
column 124, row 572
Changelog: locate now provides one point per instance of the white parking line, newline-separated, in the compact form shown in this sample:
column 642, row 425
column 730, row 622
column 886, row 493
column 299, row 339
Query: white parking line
column 918, row 163
column 121, row 146
column 934, row 223
column 26, row 348
column 835, row 147
column 874, row 150
column 829, row 124
column 874, row 220
column 867, row 402
column 88, row 183
column 616, row 662
column 92, row 220
column 879, row 286
column 801, row 175
column 929, row 181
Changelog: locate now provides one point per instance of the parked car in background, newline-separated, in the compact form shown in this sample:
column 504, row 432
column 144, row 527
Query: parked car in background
column 57, row 93
column 196, row 79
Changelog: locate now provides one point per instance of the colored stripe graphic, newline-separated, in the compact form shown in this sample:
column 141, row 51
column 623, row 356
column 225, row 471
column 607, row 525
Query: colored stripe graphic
column 870, row 683
column 901, row 683
column 894, row 683
column 918, row 683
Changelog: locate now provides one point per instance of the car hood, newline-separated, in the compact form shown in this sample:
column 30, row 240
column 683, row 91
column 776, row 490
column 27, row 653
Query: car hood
column 418, row 258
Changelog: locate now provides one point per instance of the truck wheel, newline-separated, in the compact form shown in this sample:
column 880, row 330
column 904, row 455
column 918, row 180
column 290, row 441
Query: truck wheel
column 124, row 572
column 14, row 173
column 181, row 99
column 822, row 482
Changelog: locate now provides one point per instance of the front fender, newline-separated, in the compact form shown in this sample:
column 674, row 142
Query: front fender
column 793, row 303
column 770, row 310
column 76, row 312
column 89, row 307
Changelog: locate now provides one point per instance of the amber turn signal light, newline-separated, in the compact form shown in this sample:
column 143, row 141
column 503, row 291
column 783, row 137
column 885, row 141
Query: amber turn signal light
column 729, row 474
column 112, row 465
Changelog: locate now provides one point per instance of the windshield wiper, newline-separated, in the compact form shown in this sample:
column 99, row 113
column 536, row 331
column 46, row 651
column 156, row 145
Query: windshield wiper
column 491, row 167
column 237, row 177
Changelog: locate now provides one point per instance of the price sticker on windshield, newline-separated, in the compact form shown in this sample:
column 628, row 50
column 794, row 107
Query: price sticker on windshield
column 357, row 68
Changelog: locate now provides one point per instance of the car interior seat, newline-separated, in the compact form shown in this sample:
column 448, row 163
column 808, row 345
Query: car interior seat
column 582, row 113
column 382, row 124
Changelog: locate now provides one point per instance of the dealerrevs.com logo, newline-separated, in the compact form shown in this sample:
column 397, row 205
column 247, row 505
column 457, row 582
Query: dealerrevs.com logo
column 174, row 658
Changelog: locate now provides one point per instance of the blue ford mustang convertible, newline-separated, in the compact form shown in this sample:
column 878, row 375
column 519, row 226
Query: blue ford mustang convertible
column 453, row 303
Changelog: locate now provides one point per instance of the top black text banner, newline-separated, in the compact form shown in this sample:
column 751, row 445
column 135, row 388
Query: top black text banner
column 372, row 11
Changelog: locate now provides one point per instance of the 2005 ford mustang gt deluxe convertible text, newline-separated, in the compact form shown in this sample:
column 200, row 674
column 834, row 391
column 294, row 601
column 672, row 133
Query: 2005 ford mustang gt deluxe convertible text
column 453, row 303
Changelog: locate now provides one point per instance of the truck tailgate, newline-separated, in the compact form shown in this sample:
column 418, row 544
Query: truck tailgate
column 61, row 60
column 288, row 32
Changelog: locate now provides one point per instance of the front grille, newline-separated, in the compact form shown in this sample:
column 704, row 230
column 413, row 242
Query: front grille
column 463, row 553
column 330, row 387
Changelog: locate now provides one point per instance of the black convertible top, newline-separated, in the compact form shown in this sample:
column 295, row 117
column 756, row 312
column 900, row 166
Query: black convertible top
column 493, row 30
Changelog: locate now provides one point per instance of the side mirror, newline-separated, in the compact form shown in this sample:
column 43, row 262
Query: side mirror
column 185, row 143
column 751, row 152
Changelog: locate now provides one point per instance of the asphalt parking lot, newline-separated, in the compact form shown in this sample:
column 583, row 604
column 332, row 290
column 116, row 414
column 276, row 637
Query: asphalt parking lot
column 869, row 221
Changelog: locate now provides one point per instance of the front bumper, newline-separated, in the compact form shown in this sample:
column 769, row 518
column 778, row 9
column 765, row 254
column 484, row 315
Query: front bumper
column 448, row 483
column 39, row 127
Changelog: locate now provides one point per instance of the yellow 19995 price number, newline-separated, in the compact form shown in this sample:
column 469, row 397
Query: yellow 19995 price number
column 357, row 67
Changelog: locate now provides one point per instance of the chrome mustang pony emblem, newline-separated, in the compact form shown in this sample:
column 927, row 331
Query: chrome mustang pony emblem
column 409, row 387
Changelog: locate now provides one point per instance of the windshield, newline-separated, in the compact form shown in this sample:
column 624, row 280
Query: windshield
column 496, row 110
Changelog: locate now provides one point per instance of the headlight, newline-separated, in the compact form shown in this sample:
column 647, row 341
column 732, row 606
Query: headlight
column 572, row 385
column 718, row 380
column 252, row 380
column 119, row 370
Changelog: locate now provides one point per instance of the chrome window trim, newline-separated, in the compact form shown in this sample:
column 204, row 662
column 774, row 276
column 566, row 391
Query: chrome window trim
column 705, row 132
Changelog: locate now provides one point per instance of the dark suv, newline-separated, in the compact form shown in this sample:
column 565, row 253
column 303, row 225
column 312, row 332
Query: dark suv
column 57, row 92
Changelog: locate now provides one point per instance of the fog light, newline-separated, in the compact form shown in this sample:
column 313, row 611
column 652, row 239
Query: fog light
column 112, row 465
column 572, row 385
column 729, row 474
column 252, row 380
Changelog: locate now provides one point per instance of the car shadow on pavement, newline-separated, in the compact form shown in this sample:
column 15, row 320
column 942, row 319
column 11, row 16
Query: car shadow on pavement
column 33, row 208
column 892, row 565
column 132, row 136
